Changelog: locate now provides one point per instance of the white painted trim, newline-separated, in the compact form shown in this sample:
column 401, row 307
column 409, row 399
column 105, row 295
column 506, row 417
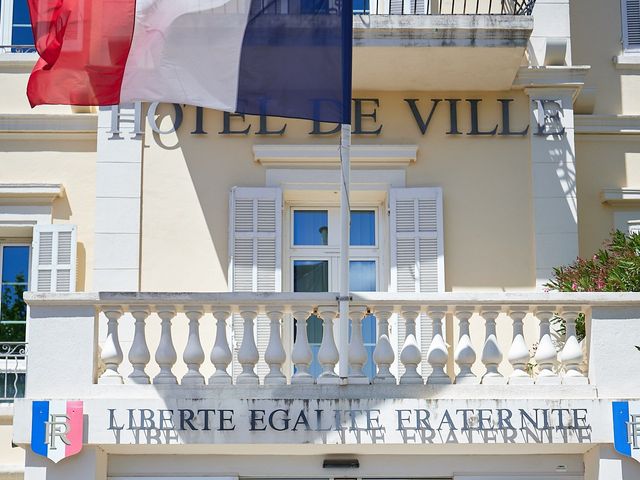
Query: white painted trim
column 572, row 76
column 37, row 126
column 305, row 179
column 152, row 477
column 30, row 193
column 607, row 124
column 507, row 476
column 620, row 197
column 625, row 29
column 627, row 61
column 313, row 155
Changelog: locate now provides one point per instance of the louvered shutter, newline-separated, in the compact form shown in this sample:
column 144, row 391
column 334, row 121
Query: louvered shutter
column 417, row 254
column 53, row 261
column 631, row 24
column 255, row 226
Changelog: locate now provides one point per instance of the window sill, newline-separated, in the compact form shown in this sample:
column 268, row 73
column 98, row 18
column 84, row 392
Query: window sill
column 17, row 61
column 627, row 61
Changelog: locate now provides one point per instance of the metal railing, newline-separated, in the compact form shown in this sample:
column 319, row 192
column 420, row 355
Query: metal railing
column 17, row 49
column 444, row 7
column 13, row 357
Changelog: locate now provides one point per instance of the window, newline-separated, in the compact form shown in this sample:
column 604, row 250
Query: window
column 15, row 26
column 14, row 276
column 631, row 25
column 310, row 227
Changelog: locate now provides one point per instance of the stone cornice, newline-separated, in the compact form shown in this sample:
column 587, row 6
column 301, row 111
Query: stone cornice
column 620, row 197
column 607, row 124
column 40, row 126
column 30, row 193
column 313, row 155
column 572, row 77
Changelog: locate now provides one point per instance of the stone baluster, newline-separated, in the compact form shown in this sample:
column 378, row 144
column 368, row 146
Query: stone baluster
column 111, row 352
column 383, row 354
column 357, row 352
column 139, row 355
column 301, row 356
column 328, row 354
column 221, row 353
column 275, row 355
column 248, row 353
column 193, row 354
column 438, row 353
column 465, row 354
column 546, row 356
column 166, row 353
column 410, row 355
column 519, row 353
column 572, row 355
column 491, row 353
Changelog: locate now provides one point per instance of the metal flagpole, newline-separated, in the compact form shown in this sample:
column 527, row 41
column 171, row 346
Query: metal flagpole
column 345, row 211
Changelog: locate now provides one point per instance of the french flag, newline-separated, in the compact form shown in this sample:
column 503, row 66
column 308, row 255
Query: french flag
column 57, row 428
column 288, row 58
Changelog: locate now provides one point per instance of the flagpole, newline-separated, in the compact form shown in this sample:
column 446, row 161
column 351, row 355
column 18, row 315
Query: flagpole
column 345, row 168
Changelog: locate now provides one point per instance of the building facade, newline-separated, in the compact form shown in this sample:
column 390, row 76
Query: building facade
column 168, row 271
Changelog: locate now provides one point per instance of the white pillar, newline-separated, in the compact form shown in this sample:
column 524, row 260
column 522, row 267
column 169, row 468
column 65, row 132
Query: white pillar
column 357, row 352
column 555, row 201
column 111, row 354
column 275, row 355
column 139, row 355
column 465, row 354
column 328, row 356
column 383, row 353
column 546, row 355
column 301, row 356
column 118, row 199
column 193, row 354
column 166, row 355
column 572, row 355
column 410, row 355
column 438, row 353
column 248, row 353
column 519, row 355
column 491, row 354
column 221, row 353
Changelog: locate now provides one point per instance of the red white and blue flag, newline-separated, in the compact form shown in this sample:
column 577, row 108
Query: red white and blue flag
column 289, row 58
column 57, row 428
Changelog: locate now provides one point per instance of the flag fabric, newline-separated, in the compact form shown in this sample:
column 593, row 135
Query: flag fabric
column 289, row 58
column 57, row 428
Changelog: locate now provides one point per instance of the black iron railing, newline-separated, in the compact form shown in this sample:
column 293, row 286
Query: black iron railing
column 13, row 368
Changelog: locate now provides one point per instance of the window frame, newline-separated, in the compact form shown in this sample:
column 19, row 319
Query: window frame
column 631, row 49
column 5, row 242
column 6, row 29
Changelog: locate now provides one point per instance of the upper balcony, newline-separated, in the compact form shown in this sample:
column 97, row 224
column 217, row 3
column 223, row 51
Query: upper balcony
column 423, row 45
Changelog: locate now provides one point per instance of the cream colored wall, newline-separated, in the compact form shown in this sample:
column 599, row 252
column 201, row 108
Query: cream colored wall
column 70, row 163
column 602, row 163
column 14, row 97
column 486, row 184
column 11, row 458
column 596, row 31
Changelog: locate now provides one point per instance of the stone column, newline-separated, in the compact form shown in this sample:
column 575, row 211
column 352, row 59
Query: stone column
column 118, row 199
column 553, row 164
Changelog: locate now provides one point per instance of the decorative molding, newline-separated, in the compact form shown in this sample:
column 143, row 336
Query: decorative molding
column 314, row 155
column 30, row 193
column 620, row 197
column 40, row 126
column 607, row 124
column 627, row 61
column 17, row 62
column 552, row 76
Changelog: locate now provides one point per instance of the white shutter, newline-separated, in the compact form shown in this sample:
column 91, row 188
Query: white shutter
column 631, row 24
column 255, row 250
column 54, row 258
column 417, row 254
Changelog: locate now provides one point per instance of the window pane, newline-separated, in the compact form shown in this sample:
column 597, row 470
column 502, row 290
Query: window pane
column 360, row 6
column 362, row 276
column 363, row 227
column 310, row 276
column 310, row 227
column 21, row 33
column 15, row 264
column 21, row 13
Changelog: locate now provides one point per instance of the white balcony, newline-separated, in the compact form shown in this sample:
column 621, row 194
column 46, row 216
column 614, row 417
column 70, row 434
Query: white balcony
column 180, row 352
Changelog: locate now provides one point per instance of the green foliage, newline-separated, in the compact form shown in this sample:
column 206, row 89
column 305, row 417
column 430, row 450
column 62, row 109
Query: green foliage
column 13, row 312
column 614, row 268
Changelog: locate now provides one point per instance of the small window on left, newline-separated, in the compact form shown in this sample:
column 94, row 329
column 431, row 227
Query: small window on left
column 16, row 35
column 14, row 276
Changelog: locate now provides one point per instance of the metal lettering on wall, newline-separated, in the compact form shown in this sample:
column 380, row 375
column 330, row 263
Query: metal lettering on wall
column 295, row 421
column 367, row 119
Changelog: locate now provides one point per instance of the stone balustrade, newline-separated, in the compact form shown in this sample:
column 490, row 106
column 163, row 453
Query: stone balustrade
column 250, row 339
